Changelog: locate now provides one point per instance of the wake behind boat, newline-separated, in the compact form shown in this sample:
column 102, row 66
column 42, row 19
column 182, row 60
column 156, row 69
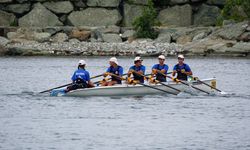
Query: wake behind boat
column 137, row 90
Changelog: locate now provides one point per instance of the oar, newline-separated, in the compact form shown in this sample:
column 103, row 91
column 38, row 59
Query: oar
column 208, row 85
column 108, row 79
column 176, row 80
column 66, row 85
column 157, row 80
column 151, row 86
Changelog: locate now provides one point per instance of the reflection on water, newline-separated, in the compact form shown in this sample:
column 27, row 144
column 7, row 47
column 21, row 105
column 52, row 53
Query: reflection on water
column 33, row 121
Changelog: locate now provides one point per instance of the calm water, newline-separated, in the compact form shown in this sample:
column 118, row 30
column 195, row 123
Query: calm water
column 31, row 121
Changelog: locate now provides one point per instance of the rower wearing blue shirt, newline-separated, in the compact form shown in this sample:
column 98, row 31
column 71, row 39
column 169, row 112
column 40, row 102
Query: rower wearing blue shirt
column 113, row 69
column 163, row 68
column 139, row 68
column 80, row 78
column 182, row 69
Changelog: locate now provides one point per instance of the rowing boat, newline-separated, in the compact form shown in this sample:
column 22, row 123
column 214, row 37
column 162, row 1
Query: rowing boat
column 127, row 89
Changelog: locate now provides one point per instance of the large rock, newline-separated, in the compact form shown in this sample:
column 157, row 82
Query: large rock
column 80, row 35
column 94, row 17
column 60, row 37
column 140, row 2
column 245, row 37
column 206, row 15
column 234, row 31
column 176, row 16
column 41, row 37
column 79, row 4
column 128, row 33
column 131, row 12
column 62, row 7
column 18, row 8
column 173, row 2
column 163, row 38
column 6, row 19
column 103, row 3
column 216, row 2
column 112, row 38
column 6, row 1
column 3, row 41
column 39, row 17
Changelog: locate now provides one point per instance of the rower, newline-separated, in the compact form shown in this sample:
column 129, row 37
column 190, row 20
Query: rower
column 162, row 67
column 139, row 68
column 80, row 78
column 182, row 69
column 113, row 69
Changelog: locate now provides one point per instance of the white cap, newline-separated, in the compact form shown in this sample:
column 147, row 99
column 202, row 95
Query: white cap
column 138, row 58
column 114, row 59
column 82, row 62
column 161, row 57
column 181, row 56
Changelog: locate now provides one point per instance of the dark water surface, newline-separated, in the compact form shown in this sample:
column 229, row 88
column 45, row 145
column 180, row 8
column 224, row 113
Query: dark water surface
column 31, row 121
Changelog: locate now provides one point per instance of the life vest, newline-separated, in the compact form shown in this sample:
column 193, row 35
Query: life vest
column 180, row 75
column 116, row 72
column 159, row 76
column 136, row 76
column 80, row 83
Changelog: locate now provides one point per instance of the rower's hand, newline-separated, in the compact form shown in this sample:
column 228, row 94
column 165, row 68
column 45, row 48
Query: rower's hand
column 183, row 71
column 154, row 71
column 106, row 74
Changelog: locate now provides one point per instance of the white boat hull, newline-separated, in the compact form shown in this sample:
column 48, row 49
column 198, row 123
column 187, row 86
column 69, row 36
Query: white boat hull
column 124, row 89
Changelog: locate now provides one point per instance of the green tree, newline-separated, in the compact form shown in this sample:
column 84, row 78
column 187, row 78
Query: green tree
column 237, row 10
column 143, row 25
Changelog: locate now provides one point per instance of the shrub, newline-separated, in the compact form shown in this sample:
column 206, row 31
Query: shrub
column 237, row 10
column 143, row 25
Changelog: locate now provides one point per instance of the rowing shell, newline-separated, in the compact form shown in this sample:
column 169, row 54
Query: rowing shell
column 126, row 90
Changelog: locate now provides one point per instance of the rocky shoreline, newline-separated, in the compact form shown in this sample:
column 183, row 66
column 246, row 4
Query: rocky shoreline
column 232, row 39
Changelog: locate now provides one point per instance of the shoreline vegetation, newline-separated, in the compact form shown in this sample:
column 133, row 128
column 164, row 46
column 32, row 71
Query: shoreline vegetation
column 124, row 28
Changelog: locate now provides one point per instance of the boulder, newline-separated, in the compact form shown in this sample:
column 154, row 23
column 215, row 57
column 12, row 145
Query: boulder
column 131, row 12
column 163, row 38
column 94, row 17
column 96, row 36
column 22, row 1
column 60, row 37
column 208, row 46
column 233, row 32
column 127, row 34
column 41, row 37
column 80, row 35
column 140, row 2
column 103, row 3
column 18, row 8
column 3, row 41
column 6, row 19
column 243, row 47
column 79, row 4
column 174, row 2
column 184, row 39
column 200, row 36
column 112, row 38
column 61, row 7
column 111, row 29
column 216, row 2
column 39, row 17
column 74, row 41
column 52, row 30
column 30, row 34
column 176, row 16
column 5, row 1
column 206, row 15
column 245, row 37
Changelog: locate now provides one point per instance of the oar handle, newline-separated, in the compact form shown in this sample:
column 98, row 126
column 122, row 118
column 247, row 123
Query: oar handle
column 176, row 80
